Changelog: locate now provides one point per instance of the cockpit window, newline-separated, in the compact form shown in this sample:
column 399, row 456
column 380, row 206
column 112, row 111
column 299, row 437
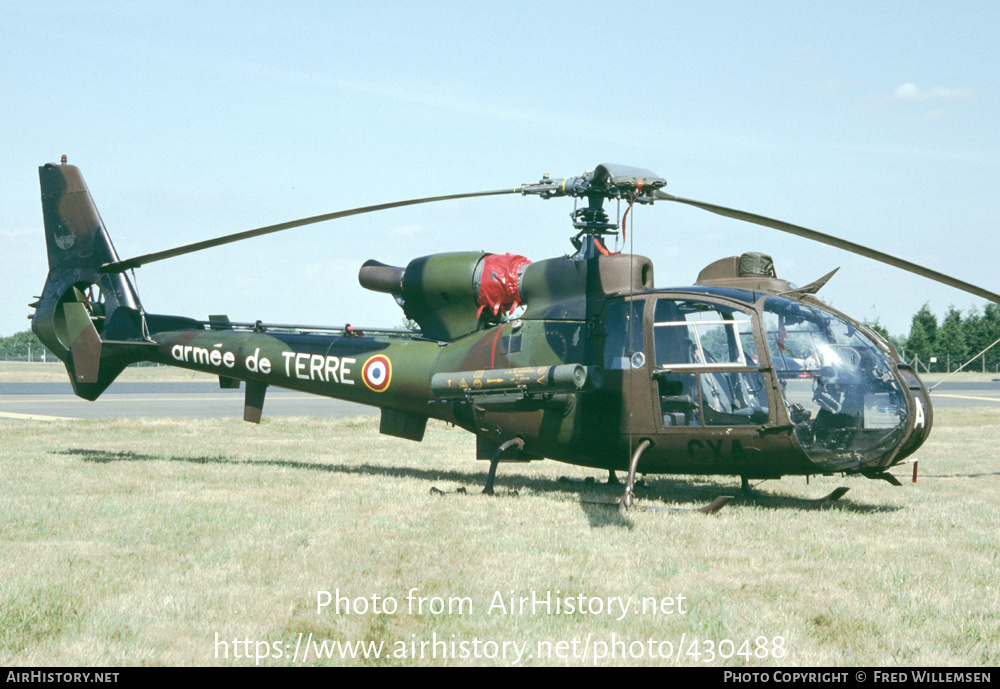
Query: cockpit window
column 700, row 347
column 702, row 334
column 841, row 392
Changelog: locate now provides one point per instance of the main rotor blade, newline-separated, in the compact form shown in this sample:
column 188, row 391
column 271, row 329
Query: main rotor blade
column 837, row 242
column 122, row 266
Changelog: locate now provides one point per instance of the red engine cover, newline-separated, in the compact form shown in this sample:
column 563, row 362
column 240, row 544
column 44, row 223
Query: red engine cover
column 499, row 283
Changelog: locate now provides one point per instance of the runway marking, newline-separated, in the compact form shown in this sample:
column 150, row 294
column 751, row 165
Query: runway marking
column 34, row 417
column 969, row 397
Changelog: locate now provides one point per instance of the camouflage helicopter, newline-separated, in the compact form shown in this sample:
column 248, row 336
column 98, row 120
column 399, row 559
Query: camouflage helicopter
column 576, row 358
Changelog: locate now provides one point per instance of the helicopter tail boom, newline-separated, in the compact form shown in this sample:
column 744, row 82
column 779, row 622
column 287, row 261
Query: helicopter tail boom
column 89, row 319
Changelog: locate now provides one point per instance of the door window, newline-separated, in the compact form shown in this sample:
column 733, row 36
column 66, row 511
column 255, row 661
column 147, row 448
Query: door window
column 705, row 355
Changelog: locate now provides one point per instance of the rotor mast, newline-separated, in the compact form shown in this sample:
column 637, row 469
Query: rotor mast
column 604, row 182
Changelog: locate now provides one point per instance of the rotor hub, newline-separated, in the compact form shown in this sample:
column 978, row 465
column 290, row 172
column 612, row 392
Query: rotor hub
column 605, row 182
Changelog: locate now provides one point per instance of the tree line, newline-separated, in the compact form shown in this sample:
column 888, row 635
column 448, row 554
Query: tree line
column 24, row 346
column 945, row 346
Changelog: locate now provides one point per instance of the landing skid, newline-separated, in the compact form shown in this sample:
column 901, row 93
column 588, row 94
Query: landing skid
column 751, row 494
column 462, row 491
column 591, row 481
column 711, row 508
column 437, row 491
column 833, row 496
column 748, row 493
column 887, row 477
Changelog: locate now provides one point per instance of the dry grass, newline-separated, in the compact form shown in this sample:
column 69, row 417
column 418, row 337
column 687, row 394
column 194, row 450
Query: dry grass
column 137, row 541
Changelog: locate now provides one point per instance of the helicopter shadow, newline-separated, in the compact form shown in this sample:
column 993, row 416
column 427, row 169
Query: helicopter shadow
column 599, row 513
column 835, row 500
column 597, row 500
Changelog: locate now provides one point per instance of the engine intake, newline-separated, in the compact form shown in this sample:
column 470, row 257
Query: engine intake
column 451, row 294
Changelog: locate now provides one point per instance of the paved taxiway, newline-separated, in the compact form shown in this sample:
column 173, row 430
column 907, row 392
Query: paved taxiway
column 207, row 400
column 202, row 400
column 961, row 394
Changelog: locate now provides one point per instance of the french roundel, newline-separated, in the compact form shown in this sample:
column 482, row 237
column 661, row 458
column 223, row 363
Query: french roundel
column 377, row 372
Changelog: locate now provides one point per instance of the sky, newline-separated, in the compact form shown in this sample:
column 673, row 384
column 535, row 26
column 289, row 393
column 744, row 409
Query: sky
column 875, row 122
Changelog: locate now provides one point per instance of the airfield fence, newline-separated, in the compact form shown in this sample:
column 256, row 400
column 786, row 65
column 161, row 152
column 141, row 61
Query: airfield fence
column 36, row 353
column 27, row 352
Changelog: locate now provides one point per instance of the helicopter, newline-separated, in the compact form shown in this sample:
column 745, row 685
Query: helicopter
column 577, row 358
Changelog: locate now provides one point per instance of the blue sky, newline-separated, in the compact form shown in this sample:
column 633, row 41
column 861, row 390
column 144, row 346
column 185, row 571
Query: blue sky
column 876, row 122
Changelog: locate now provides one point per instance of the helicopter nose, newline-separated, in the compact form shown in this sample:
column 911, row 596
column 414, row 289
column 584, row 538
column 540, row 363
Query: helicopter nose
column 918, row 424
column 922, row 415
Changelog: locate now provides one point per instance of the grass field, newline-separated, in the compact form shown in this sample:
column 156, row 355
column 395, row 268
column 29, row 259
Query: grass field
column 210, row 543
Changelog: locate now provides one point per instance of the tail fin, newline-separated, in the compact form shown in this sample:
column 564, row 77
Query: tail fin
column 83, row 308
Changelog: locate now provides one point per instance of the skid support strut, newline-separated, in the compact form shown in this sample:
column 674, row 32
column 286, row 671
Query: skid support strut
column 628, row 499
column 488, row 490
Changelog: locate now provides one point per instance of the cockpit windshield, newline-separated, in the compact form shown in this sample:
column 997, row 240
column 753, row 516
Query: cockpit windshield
column 842, row 394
